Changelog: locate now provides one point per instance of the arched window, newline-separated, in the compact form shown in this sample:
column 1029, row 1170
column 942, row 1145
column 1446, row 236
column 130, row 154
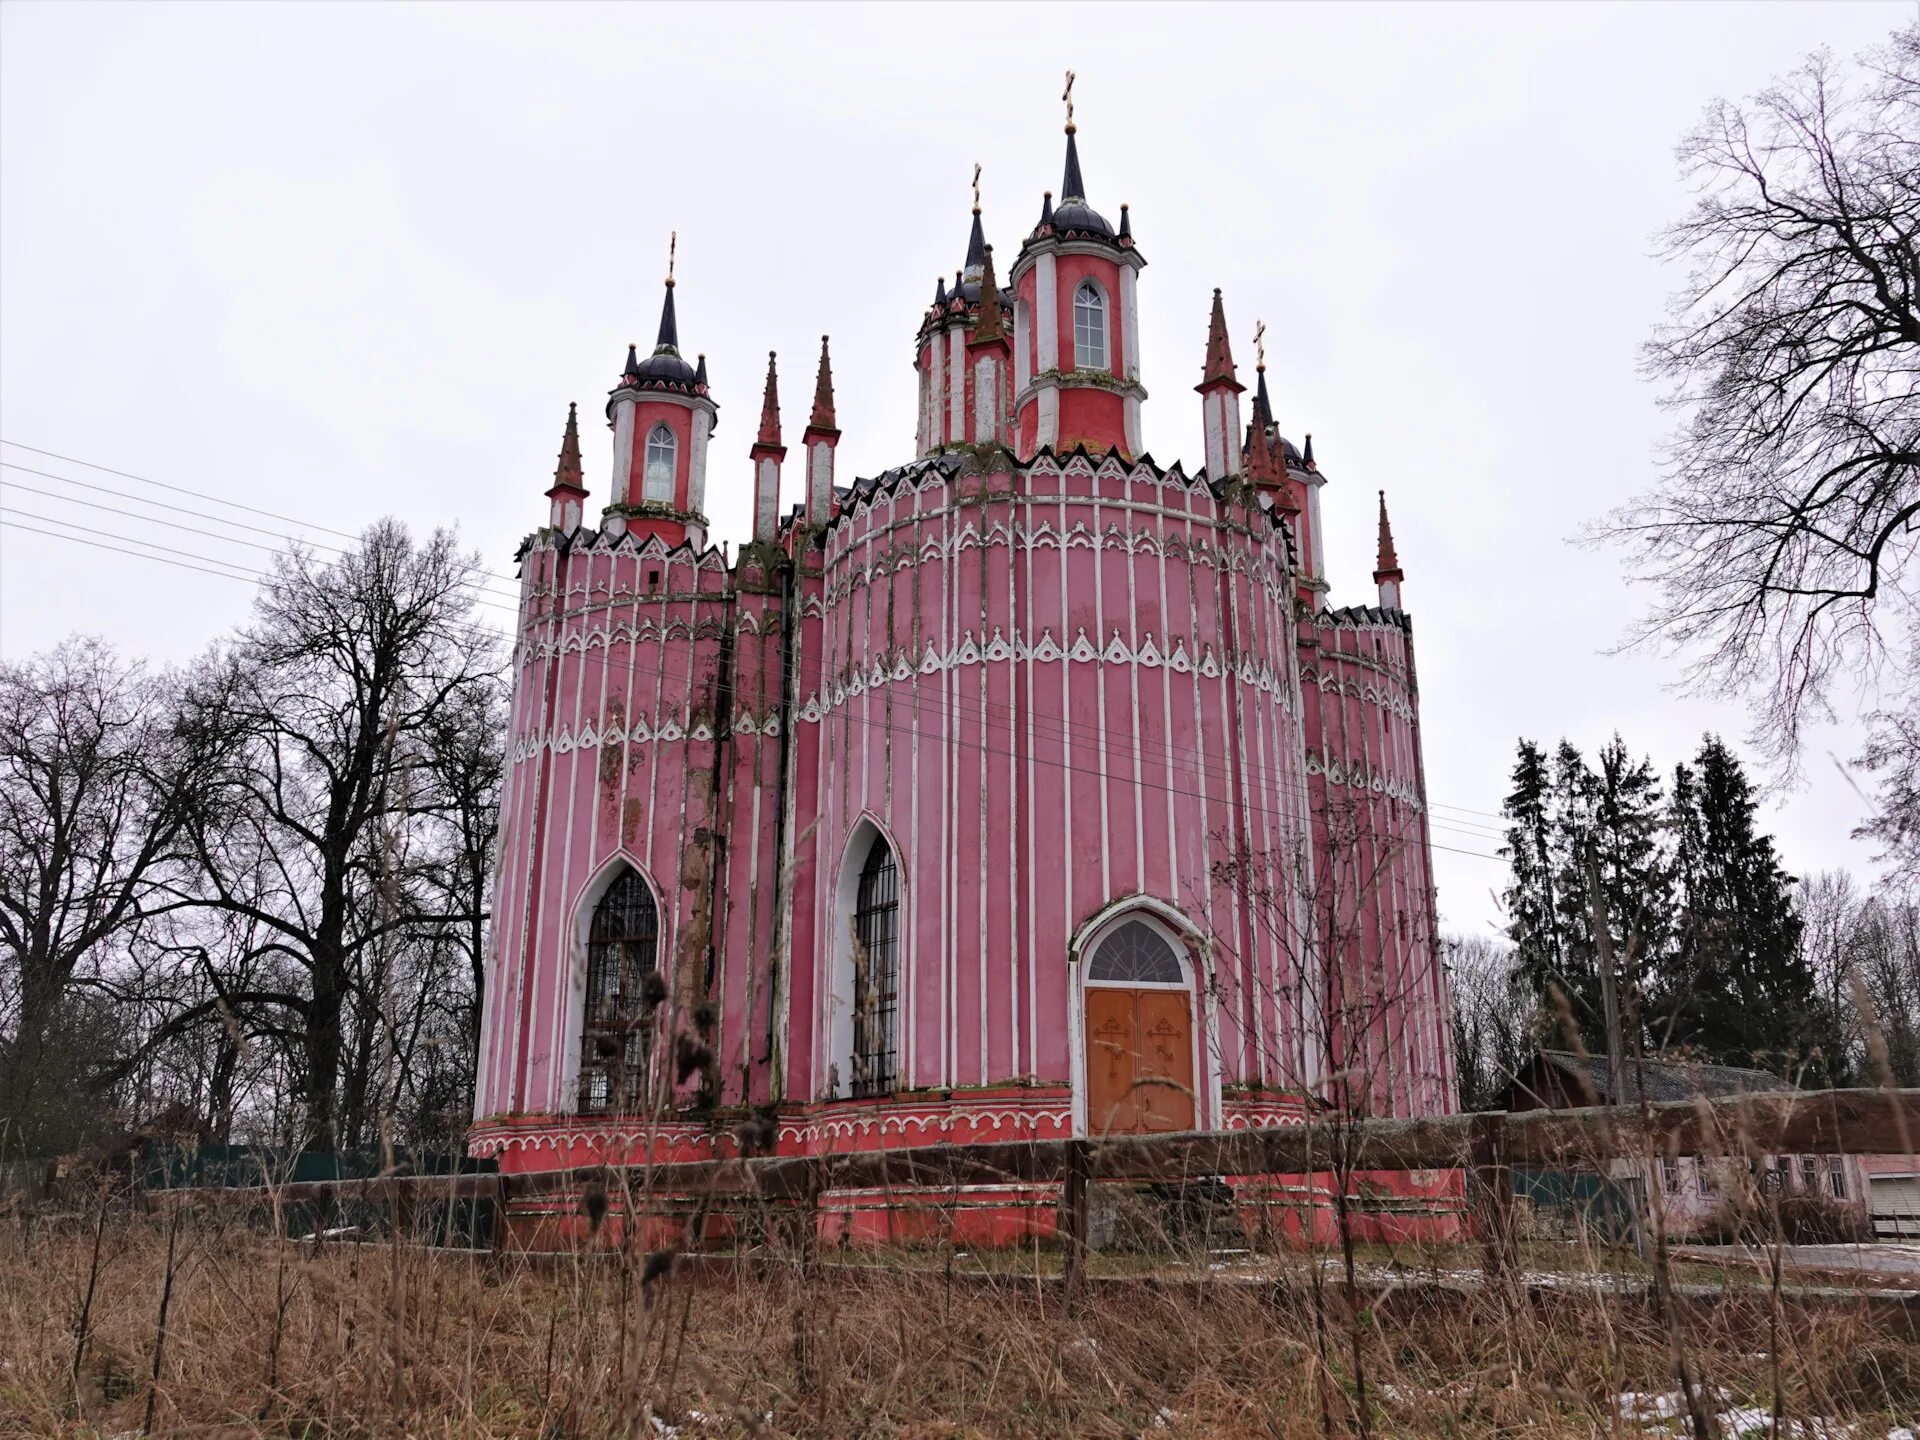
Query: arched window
column 623, row 986
column 1089, row 328
column 661, row 449
column 876, row 972
column 1134, row 953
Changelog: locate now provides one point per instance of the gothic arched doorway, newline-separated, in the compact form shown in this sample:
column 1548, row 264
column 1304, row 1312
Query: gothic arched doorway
column 1139, row 1035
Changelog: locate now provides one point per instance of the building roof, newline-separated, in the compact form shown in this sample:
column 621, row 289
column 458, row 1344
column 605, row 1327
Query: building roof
column 1654, row 1080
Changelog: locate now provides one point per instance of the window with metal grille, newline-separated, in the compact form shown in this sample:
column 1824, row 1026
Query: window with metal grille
column 1089, row 328
column 876, row 972
column 662, row 449
column 615, row 1042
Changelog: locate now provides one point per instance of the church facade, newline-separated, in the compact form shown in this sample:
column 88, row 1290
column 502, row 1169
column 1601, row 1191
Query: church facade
column 1027, row 790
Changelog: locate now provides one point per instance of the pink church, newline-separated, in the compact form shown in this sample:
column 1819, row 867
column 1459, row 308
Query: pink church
column 1027, row 790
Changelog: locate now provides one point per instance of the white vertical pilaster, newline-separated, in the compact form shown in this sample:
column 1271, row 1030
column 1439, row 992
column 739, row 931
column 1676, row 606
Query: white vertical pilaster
column 1132, row 420
column 957, row 363
column 1049, row 430
column 986, row 390
column 820, row 483
column 622, row 451
column 1022, row 341
column 937, row 390
column 1047, row 302
column 766, row 502
column 1216, row 435
column 1129, row 323
column 697, row 464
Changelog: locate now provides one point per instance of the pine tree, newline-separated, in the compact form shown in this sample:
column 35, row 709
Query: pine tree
column 1737, row 988
column 1533, row 923
column 1559, row 814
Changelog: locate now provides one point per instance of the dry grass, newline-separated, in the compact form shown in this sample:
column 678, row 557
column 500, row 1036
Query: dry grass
column 262, row 1338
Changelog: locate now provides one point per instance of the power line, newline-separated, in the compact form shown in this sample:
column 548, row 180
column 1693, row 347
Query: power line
column 183, row 490
column 1062, row 734
column 1066, row 724
column 191, row 529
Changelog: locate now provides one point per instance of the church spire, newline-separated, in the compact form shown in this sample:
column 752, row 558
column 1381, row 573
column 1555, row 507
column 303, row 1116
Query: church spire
column 1220, row 391
column 568, row 490
column 1262, row 405
column 1387, row 574
column 822, row 418
column 766, row 454
column 668, row 342
column 770, row 407
column 820, row 440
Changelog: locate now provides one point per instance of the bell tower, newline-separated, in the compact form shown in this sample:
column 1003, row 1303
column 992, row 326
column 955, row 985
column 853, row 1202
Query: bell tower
column 1076, row 323
column 662, row 417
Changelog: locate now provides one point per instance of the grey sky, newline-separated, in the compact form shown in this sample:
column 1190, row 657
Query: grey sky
column 340, row 261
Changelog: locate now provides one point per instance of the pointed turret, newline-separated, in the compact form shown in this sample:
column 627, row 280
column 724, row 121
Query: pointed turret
column 1126, row 225
column 568, row 492
column 990, row 363
column 1387, row 574
column 1306, row 455
column 1219, row 366
column 992, row 324
column 767, row 453
column 821, row 438
column 770, row 407
column 1072, row 187
column 662, row 416
column 1220, row 389
column 976, row 250
column 1262, row 404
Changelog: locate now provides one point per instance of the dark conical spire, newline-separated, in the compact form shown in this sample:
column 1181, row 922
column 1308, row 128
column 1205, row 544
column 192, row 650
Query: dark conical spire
column 1126, row 222
column 1046, row 207
column 632, row 369
column 976, row 248
column 567, row 474
column 669, row 341
column 700, row 374
column 1262, row 405
column 770, row 407
column 1306, row 455
column 940, row 292
column 822, row 418
column 1072, row 187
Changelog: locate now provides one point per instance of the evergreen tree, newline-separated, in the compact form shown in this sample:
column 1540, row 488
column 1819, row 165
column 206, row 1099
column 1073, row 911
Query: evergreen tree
column 1533, row 922
column 1560, row 813
column 1736, row 988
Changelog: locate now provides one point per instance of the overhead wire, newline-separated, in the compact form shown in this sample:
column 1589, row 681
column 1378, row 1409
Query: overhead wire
column 1191, row 765
column 1054, row 728
column 1066, row 724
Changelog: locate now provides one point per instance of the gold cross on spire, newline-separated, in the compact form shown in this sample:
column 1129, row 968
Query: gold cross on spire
column 976, row 187
column 673, row 246
column 1260, row 344
column 1067, row 95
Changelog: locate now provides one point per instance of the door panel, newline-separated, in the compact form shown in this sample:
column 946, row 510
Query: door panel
column 1163, row 1073
column 1139, row 1061
column 1112, row 1108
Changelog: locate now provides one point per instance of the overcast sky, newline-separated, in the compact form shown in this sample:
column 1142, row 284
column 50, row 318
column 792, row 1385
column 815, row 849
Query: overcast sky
column 342, row 261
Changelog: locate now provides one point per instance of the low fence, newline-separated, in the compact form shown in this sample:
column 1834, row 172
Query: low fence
column 1489, row 1146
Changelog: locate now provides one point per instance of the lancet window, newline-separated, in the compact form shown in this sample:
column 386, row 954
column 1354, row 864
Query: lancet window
column 1089, row 328
column 662, row 448
column 876, row 973
column 623, row 987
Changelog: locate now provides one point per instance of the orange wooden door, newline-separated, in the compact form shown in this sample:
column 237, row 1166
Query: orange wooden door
column 1139, row 1061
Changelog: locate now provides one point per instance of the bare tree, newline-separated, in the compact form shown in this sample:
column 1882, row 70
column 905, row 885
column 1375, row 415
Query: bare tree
column 93, row 774
column 326, row 713
column 1779, row 533
column 1496, row 1019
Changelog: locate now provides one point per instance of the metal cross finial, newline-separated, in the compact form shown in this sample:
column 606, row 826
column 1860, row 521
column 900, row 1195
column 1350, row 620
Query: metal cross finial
column 1067, row 95
column 673, row 245
column 976, row 187
column 1260, row 344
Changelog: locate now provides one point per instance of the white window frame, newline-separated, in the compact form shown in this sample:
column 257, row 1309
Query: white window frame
column 1082, row 361
column 649, row 490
